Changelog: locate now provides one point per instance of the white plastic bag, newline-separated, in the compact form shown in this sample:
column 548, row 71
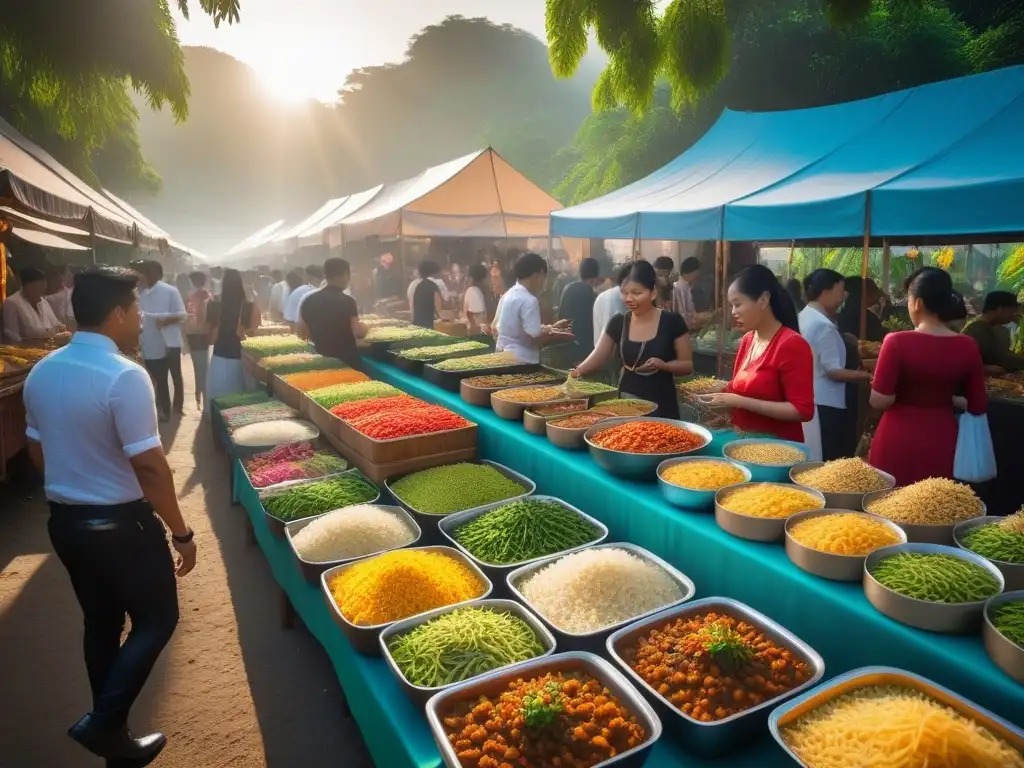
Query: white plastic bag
column 975, row 459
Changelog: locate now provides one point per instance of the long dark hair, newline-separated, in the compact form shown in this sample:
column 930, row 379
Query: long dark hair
column 755, row 281
column 643, row 273
column 232, row 299
column 934, row 287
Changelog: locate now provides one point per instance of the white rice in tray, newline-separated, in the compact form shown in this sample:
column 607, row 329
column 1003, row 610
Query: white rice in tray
column 350, row 532
column 587, row 591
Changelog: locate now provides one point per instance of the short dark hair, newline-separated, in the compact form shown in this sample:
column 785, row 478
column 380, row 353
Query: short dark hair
column 294, row 279
column 589, row 268
column 1000, row 300
column 314, row 271
column 477, row 273
column 155, row 270
column 819, row 281
column 689, row 266
column 622, row 274
column 31, row 275
column 530, row 264
column 428, row 269
column 664, row 262
column 99, row 291
column 275, row 275
column 335, row 267
column 198, row 279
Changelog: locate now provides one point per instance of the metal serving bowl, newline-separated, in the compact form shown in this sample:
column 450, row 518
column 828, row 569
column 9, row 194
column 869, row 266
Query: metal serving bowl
column 366, row 639
column 787, row 714
column 765, row 473
column 638, row 466
column 311, row 569
column 690, row 498
column 536, row 424
column 494, row 683
column 594, row 641
column 1008, row 656
column 421, row 694
column 569, row 438
column 717, row 738
column 513, row 409
column 277, row 525
column 1013, row 573
column 826, row 564
column 851, row 501
column 498, row 573
column 949, row 618
column 767, row 529
column 924, row 534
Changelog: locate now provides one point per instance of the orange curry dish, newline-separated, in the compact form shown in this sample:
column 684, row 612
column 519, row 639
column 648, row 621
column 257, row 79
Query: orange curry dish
column 553, row 721
column 714, row 666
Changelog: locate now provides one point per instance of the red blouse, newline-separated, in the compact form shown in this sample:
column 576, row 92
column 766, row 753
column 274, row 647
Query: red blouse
column 783, row 373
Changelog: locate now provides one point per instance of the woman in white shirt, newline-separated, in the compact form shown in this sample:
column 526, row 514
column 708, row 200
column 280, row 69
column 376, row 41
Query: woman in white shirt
column 27, row 315
column 474, row 303
column 830, row 435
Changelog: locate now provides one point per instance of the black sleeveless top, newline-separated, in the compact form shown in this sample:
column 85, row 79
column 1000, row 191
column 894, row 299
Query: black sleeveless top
column 228, row 344
column 423, row 312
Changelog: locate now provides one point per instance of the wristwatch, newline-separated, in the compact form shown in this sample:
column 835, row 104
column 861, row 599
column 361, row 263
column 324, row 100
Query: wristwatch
column 184, row 539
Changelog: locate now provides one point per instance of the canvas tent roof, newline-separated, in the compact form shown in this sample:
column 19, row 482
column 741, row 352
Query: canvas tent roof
column 328, row 230
column 287, row 240
column 255, row 240
column 939, row 159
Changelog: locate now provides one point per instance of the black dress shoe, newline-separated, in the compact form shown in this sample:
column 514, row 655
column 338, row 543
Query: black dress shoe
column 117, row 744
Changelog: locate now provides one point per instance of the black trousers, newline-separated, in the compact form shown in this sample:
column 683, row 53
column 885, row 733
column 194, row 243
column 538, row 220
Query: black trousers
column 119, row 563
column 158, row 369
column 837, row 432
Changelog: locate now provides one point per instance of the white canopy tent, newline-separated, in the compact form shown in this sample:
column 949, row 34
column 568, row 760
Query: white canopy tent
column 256, row 239
column 287, row 240
column 328, row 230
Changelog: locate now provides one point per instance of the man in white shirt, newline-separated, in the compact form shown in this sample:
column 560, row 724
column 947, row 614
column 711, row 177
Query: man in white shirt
column 278, row 295
column 163, row 317
column 517, row 323
column 62, row 283
column 607, row 305
column 411, row 290
column 27, row 315
column 92, row 430
column 291, row 309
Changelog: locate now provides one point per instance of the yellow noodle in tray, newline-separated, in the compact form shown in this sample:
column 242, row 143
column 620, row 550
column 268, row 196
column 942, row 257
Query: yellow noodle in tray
column 703, row 475
column 935, row 501
column 769, row 501
column 843, row 476
column 846, row 533
column 894, row 727
column 769, row 454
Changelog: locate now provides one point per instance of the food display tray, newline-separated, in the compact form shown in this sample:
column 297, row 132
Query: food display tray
column 277, row 525
column 482, row 395
column 394, row 357
column 288, row 394
column 451, row 381
column 379, row 473
column 405, row 448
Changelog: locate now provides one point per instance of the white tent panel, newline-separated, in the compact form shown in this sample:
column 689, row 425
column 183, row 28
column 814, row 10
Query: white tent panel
column 288, row 240
column 328, row 230
column 256, row 239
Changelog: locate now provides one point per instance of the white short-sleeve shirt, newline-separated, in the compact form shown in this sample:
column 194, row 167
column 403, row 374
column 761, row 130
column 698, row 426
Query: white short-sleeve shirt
column 92, row 410
column 291, row 307
column 517, row 321
column 473, row 302
column 607, row 305
column 829, row 353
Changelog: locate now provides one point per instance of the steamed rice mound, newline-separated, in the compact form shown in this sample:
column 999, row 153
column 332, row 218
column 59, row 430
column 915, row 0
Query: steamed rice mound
column 351, row 532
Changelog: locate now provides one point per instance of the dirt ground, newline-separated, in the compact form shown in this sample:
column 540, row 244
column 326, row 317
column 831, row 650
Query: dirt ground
column 232, row 690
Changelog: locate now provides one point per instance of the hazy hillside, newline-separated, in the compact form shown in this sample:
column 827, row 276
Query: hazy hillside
column 243, row 159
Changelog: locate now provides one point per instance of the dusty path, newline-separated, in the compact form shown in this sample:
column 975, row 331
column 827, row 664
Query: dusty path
column 232, row 690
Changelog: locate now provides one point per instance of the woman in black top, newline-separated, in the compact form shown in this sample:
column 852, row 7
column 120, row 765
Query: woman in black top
column 654, row 345
column 426, row 299
column 229, row 319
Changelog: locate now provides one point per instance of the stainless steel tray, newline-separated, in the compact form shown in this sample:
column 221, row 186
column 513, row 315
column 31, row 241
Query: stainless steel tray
column 277, row 525
column 493, row 683
column 595, row 641
column 312, row 569
column 826, row 564
column 1006, row 655
column 950, row 618
column 421, row 694
column 794, row 709
column 498, row 573
column 638, row 466
column 1013, row 573
column 768, row 529
column 366, row 640
column 924, row 534
column 765, row 473
column 691, row 498
column 718, row 738
column 851, row 501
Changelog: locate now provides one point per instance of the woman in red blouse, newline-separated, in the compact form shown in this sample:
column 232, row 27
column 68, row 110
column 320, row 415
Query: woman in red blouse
column 918, row 375
column 772, row 387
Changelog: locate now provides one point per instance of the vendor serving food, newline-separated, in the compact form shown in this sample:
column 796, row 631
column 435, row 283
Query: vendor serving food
column 517, row 325
column 28, row 317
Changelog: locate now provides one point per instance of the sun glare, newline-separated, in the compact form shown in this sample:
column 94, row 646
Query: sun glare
column 286, row 84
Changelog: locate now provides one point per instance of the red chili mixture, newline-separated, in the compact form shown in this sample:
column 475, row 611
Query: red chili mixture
column 553, row 721
column 648, row 437
column 714, row 666
column 358, row 408
column 388, row 425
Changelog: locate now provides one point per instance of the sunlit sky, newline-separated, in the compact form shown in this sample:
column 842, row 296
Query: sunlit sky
column 304, row 48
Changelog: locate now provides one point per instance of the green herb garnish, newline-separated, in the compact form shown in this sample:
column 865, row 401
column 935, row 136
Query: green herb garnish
column 538, row 714
column 727, row 646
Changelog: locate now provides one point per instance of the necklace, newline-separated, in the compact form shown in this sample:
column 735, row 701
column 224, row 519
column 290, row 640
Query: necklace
column 636, row 363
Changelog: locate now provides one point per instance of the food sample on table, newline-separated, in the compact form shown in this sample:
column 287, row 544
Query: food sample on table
column 707, row 475
column 593, row 589
column 320, row 464
column 647, row 437
column 998, row 387
column 403, row 583
column 274, row 432
column 477, row 362
column 1003, row 541
column 713, row 666
column 259, row 347
column 580, row 420
column 309, row 499
column 281, row 454
column 558, row 409
column 352, row 532
column 298, row 362
column 389, row 334
column 843, row 476
column 226, row 402
column 843, row 534
column 1008, row 619
column 587, row 388
column 391, row 425
column 511, row 379
column 769, row 501
column 935, row 501
column 462, row 644
column 701, row 385
column 559, row 719
column 529, row 394
column 769, row 454
column 625, row 407
column 935, row 578
column 454, row 488
column 524, row 530
column 894, row 727
column 359, row 408
column 440, row 352
column 336, row 394
column 375, row 321
column 23, row 355
column 307, row 380
column 243, row 415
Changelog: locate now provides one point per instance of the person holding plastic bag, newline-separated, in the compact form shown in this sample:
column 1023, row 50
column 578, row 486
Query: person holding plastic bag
column 917, row 378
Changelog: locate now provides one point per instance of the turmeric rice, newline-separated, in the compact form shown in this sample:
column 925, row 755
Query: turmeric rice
column 707, row 475
column 770, row 501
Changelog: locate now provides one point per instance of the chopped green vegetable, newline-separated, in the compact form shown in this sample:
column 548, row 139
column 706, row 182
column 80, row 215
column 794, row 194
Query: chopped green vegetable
column 524, row 530
column 336, row 394
column 441, row 352
column 318, row 497
column 240, row 398
column 455, row 487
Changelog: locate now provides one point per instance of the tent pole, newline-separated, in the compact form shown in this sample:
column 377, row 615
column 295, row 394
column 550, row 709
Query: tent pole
column 886, row 265
column 864, row 266
column 92, row 235
column 723, row 328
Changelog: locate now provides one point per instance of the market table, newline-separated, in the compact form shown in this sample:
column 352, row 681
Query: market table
column 834, row 618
